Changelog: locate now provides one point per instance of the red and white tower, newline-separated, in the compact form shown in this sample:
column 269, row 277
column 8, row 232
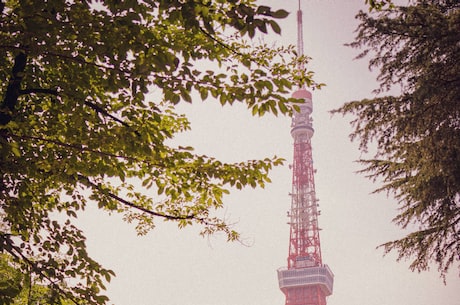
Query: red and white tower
column 305, row 281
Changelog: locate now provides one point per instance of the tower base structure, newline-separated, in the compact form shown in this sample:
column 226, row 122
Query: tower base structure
column 306, row 286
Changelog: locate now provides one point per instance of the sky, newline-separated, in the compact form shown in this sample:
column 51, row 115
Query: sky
column 169, row 266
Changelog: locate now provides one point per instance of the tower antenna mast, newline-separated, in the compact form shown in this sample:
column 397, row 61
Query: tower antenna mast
column 299, row 31
column 300, row 46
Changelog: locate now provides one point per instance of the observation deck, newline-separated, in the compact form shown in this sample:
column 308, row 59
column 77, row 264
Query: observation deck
column 311, row 276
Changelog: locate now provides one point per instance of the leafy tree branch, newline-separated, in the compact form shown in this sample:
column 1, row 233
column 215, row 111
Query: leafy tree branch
column 78, row 125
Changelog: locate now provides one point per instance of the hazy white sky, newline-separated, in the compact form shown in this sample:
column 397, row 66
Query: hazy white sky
column 177, row 267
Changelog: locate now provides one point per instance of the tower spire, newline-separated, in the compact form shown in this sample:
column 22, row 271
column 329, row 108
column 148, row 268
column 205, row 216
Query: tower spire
column 300, row 45
column 299, row 31
column 305, row 281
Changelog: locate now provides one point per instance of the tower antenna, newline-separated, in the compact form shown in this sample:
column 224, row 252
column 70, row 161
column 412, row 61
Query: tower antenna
column 299, row 31
column 300, row 45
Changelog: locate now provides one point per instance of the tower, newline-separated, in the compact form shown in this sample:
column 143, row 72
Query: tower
column 305, row 281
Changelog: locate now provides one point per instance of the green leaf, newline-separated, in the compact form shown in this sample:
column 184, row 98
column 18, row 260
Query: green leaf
column 275, row 27
column 280, row 14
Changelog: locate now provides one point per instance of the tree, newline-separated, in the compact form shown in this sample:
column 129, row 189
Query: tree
column 416, row 134
column 88, row 110
column 10, row 280
column 17, row 288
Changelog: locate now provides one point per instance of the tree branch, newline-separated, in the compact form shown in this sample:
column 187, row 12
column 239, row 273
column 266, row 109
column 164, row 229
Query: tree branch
column 22, row 49
column 13, row 88
column 130, row 204
column 102, row 111
column 92, row 105
column 219, row 42
column 84, row 61
column 79, row 147
column 38, row 90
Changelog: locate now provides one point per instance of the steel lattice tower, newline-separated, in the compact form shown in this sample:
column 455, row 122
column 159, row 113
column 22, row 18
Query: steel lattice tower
column 305, row 281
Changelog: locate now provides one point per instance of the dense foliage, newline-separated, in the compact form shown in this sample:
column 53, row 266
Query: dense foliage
column 87, row 109
column 18, row 288
column 416, row 133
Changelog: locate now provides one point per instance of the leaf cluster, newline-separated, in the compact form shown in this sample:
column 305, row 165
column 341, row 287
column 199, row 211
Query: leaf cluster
column 416, row 133
column 379, row 5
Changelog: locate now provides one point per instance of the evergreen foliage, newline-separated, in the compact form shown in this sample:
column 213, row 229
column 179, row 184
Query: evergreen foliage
column 416, row 133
